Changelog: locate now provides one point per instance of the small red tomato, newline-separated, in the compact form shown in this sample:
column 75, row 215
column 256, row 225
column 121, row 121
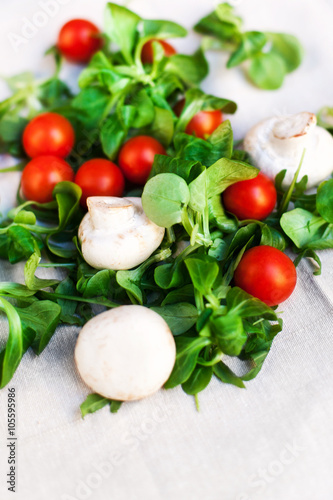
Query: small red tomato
column 147, row 54
column 99, row 177
column 48, row 134
column 203, row 123
column 41, row 175
column 136, row 157
column 78, row 40
column 266, row 273
column 251, row 199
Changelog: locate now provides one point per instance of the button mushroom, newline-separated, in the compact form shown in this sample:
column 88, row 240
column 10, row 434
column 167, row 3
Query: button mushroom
column 126, row 353
column 277, row 143
column 117, row 234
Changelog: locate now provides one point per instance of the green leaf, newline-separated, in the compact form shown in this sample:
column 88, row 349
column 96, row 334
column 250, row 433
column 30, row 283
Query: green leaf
column 223, row 372
column 222, row 24
column 267, row 71
column 15, row 290
column 203, row 271
column 92, row 101
column 32, row 282
column 288, row 48
column 272, row 237
column 198, row 381
column 21, row 244
column 196, row 100
column 180, row 317
column 94, row 402
column 222, row 141
column 115, row 406
column 12, row 127
column 25, row 217
column 218, row 217
column 99, row 285
column 188, row 350
column 302, row 227
column 162, row 29
column 218, row 145
column 18, row 341
column 101, row 71
column 162, row 127
column 43, row 318
column 144, row 109
column 258, row 358
column 171, row 275
column 251, row 43
column 186, row 169
column 121, row 27
column 325, row 118
column 229, row 333
column 246, row 306
column 115, row 130
column 67, row 195
column 164, row 198
column 324, row 201
column 182, row 294
column 128, row 280
column 226, row 13
column 226, row 172
column 198, row 193
column 190, row 69
column 68, row 307
column 311, row 254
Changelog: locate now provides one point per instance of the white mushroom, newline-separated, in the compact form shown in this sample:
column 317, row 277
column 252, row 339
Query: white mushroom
column 277, row 143
column 117, row 234
column 126, row 353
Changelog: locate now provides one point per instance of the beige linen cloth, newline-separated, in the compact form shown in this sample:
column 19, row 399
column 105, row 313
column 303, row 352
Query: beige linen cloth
column 272, row 441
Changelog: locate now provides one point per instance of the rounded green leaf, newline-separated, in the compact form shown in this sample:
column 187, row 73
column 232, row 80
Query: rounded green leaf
column 325, row 200
column 164, row 198
column 267, row 71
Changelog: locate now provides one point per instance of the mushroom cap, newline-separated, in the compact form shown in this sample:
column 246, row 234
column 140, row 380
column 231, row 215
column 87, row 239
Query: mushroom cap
column 126, row 353
column 116, row 233
column 277, row 143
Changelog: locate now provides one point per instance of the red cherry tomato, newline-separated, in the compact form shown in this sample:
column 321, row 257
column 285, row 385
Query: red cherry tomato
column 48, row 134
column 251, row 199
column 136, row 157
column 266, row 273
column 99, row 177
column 203, row 123
column 147, row 54
column 78, row 40
column 41, row 175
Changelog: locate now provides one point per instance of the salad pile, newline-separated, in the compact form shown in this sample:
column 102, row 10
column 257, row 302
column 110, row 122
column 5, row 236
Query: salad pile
column 140, row 126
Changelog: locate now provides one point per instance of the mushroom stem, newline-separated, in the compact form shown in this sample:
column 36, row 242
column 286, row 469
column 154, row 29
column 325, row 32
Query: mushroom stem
column 109, row 212
column 290, row 135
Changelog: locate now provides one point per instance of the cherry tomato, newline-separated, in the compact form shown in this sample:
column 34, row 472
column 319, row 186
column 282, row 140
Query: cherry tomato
column 78, row 40
column 203, row 123
column 266, row 273
column 147, row 54
column 99, row 177
column 41, row 175
column 251, row 199
column 136, row 157
column 48, row 134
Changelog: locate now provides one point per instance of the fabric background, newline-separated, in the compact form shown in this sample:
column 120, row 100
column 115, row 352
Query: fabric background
column 271, row 441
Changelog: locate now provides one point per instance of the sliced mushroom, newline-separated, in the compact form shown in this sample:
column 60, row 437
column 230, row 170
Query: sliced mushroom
column 126, row 353
column 117, row 234
column 277, row 143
